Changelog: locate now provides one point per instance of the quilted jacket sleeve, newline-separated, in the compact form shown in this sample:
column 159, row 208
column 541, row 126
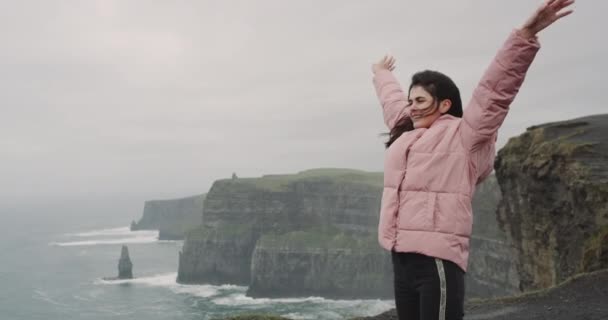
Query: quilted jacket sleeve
column 391, row 96
column 496, row 90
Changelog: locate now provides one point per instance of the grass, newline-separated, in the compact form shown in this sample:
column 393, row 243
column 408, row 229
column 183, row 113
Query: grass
column 538, row 151
column 320, row 239
column 594, row 247
column 279, row 182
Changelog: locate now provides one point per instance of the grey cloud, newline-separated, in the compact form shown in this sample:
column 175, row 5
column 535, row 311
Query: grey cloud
column 156, row 97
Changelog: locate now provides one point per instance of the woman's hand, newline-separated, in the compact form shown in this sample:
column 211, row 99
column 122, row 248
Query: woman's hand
column 549, row 12
column 386, row 63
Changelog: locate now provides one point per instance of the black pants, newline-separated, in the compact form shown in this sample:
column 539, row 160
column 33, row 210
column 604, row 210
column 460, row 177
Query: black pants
column 427, row 288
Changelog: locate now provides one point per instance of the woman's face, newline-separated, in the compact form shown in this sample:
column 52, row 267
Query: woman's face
column 424, row 109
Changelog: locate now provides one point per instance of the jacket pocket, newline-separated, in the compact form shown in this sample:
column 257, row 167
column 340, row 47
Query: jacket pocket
column 414, row 213
column 453, row 214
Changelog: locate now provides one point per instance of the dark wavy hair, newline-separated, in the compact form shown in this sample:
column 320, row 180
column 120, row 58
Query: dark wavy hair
column 440, row 87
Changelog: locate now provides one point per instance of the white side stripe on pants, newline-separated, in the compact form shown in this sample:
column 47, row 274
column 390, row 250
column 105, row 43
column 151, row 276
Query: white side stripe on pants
column 443, row 286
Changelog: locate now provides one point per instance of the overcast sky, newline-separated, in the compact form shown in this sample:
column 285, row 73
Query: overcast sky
column 160, row 98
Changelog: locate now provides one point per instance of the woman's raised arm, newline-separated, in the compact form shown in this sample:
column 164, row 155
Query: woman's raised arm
column 392, row 98
column 501, row 81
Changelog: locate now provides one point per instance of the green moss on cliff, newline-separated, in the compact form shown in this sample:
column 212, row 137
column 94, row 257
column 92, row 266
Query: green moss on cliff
column 279, row 182
column 595, row 254
column 564, row 145
column 327, row 239
column 221, row 231
column 540, row 153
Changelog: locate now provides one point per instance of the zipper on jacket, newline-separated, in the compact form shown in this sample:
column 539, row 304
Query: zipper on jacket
column 407, row 154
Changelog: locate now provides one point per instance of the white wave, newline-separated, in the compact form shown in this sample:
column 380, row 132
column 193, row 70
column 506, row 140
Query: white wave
column 168, row 280
column 232, row 295
column 120, row 235
column 329, row 315
column 299, row 316
column 146, row 238
column 365, row 308
column 112, row 312
column 238, row 299
column 119, row 231
column 342, row 309
column 242, row 299
column 354, row 307
column 172, row 242
column 41, row 295
column 81, row 298
column 160, row 280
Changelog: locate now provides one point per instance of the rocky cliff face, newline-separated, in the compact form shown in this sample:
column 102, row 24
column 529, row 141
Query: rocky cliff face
column 172, row 218
column 554, row 181
column 492, row 262
column 238, row 212
column 217, row 255
column 314, row 233
column 326, row 263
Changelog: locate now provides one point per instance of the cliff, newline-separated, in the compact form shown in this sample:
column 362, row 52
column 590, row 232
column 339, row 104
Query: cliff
column 492, row 268
column 329, row 263
column 554, row 181
column 243, row 216
column 315, row 233
column 172, row 218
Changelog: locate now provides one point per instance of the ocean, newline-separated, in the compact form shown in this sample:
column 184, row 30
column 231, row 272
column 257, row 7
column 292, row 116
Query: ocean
column 53, row 258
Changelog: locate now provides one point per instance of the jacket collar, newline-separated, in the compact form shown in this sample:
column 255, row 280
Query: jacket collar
column 443, row 118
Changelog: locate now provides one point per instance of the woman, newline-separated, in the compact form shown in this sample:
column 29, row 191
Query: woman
column 436, row 154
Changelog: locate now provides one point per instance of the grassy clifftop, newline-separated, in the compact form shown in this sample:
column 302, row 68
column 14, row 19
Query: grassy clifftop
column 279, row 182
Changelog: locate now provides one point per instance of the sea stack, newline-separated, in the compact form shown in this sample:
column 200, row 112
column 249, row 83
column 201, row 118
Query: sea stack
column 125, row 267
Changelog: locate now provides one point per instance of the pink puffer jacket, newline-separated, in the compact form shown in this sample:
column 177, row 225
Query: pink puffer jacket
column 430, row 174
